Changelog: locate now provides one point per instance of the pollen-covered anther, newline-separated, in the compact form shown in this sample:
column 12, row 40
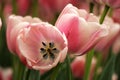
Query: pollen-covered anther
column 49, row 50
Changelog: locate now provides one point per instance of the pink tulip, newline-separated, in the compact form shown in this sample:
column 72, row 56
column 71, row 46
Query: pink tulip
column 5, row 74
column 81, row 29
column 7, row 10
column 116, row 45
column 114, row 76
column 14, row 25
column 78, row 67
column 55, row 5
column 23, row 6
column 48, row 8
column 82, row 4
column 115, row 16
column 111, row 3
column 106, row 42
column 0, row 23
column 42, row 45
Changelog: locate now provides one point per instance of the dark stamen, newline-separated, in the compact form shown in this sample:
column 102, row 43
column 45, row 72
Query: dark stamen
column 42, row 50
column 51, row 44
column 55, row 50
column 52, row 56
column 43, row 44
column 45, row 56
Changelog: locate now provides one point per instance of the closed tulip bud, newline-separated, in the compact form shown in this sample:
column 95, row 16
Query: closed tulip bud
column 82, row 29
column 106, row 42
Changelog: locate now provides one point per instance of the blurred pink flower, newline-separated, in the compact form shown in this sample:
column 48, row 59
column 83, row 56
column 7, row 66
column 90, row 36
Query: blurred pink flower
column 5, row 74
column 42, row 45
column 49, row 9
column 55, row 5
column 23, row 6
column 111, row 3
column 115, row 76
column 106, row 42
column 7, row 10
column 78, row 67
column 115, row 15
column 82, row 29
column 14, row 25
column 81, row 4
column 0, row 24
column 116, row 45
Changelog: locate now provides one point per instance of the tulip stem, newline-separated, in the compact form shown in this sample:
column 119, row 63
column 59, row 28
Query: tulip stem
column 18, row 68
column 35, row 8
column 26, row 74
column 91, row 6
column 99, row 59
column 55, row 72
column 14, row 7
column 89, row 57
column 69, row 72
column 106, row 9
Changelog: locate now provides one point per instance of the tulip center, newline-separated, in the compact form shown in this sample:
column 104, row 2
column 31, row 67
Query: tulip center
column 49, row 50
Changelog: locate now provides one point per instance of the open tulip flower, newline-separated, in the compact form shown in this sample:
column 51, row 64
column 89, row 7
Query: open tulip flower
column 82, row 29
column 42, row 45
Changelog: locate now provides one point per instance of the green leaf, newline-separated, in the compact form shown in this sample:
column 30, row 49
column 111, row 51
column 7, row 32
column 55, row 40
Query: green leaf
column 108, row 69
column 30, row 74
column 106, row 9
column 88, row 64
column 52, row 74
column 55, row 72
column 34, row 75
column 18, row 68
column 69, row 72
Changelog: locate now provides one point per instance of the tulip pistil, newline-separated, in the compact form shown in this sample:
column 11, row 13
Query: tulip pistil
column 49, row 50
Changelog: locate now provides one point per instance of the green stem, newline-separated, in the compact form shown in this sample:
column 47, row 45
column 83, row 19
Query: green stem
column 88, row 64
column 21, row 71
column 14, row 7
column 26, row 74
column 110, row 12
column 99, row 58
column 55, row 72
column 18, row 68
column 91, row 6
column 106, row 9
column 69, row 72
column 108, row 69
column 35, row 8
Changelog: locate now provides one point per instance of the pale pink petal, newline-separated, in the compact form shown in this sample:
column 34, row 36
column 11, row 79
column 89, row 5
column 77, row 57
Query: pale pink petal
column 12, row 31
column 116, row 45
column 0, row 24
column 29, row 41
